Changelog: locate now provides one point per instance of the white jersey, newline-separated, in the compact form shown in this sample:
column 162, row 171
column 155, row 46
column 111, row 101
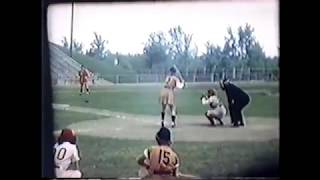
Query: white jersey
column 173, row 81
column 213, row 100
column 65, row 154
column 216, row 108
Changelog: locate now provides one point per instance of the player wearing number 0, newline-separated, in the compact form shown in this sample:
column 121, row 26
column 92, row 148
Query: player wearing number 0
column 66, row 153
column 161, row 160
column 167, row 95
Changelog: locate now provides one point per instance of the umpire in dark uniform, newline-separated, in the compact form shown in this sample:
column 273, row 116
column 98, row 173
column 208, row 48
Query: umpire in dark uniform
column 237, row 100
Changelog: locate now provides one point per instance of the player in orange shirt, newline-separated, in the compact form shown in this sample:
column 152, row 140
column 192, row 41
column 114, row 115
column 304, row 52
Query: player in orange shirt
column 161, row 160
column 84, row 76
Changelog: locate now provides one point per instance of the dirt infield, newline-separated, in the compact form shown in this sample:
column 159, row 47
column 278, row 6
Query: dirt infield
column 189, row 128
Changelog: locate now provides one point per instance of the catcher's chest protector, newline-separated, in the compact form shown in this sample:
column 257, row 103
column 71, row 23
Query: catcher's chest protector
column 163, row 159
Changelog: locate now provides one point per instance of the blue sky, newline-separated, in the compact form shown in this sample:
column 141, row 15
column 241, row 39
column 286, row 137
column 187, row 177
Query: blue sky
column 127, row 26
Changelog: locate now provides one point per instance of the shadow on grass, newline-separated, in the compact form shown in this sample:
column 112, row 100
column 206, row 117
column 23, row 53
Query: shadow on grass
column 210, row 126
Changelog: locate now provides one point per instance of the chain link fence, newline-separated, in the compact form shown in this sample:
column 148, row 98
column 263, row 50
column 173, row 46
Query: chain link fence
column 232, row 74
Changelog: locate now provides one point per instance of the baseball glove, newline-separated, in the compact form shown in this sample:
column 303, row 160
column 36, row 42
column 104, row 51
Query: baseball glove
column 203, row 96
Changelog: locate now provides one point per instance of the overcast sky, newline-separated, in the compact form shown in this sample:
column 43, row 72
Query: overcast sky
column 127, row 26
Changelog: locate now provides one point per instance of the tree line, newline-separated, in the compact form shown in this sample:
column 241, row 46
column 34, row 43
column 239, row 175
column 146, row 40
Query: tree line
column 241, row 49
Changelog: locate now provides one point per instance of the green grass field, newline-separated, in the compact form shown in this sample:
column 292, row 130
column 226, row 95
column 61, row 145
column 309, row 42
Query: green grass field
column 145, row 100
column 64, row 118
column 107, row 157
column 112, row 157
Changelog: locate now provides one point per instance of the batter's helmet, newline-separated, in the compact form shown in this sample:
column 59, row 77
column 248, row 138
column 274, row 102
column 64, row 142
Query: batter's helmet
column 163, row 136
column 67, row 135
column 172, row 70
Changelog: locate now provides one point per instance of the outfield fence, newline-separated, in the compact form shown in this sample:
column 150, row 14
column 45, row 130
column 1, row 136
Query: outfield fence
column 232, row 74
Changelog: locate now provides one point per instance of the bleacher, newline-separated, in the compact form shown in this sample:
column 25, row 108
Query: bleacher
column 64, row 69
column 62, row 65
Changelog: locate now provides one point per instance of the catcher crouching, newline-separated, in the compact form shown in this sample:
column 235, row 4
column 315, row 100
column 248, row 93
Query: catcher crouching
column 217, row 110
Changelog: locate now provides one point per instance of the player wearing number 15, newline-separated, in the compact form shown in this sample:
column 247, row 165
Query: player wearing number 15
column 66, row 153
column 160, row 160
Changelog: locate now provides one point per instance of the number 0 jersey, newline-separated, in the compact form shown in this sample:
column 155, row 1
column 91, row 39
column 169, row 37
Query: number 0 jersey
column 162, row 160
column 65, row 154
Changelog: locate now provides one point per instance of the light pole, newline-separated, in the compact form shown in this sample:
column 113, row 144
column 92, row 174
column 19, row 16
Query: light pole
column 71, row 36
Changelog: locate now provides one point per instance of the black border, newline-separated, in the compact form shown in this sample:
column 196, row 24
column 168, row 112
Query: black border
column 47, row 112
column 46, row 136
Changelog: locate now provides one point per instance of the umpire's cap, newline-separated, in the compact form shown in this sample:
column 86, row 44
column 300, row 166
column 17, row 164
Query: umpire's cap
column 164, row 135
column 223, row 82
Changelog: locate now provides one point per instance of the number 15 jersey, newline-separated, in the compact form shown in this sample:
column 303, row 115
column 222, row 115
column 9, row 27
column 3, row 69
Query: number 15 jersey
column 162, row 160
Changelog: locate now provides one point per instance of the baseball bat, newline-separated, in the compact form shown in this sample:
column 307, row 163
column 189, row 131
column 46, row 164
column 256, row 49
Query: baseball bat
column 182, row 85
column 178, row 72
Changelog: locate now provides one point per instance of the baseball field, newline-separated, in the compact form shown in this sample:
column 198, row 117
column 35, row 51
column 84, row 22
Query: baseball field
column 116, row 123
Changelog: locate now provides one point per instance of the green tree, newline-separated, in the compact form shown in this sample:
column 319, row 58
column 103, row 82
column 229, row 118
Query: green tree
column 250, row 51
column 77, row 47
column 246, row 41
column 256, row 56
column 180, row 47
column 98, row 47
column 156, row 51
column 213, row 56
column 65, row 43
column 229, row 51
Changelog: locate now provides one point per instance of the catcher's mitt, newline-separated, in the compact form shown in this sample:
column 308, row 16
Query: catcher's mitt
column 203, row 96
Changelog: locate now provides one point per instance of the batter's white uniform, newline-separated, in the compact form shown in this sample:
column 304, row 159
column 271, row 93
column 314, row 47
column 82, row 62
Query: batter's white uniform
column 64, row 155
column 219, row 110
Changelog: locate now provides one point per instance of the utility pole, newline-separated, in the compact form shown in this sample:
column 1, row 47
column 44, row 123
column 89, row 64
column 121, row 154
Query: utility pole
column 71, row 40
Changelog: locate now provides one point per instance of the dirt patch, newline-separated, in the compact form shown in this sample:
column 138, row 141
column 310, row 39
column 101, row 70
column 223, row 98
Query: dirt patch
column 189, row 128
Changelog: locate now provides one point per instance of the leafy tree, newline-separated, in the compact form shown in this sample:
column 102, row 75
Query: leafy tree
column 180, row 47
column 76, row 46
column 98, row 49
column 65, row 43
column 156, row 50
column 213, row 56
column 229, row 51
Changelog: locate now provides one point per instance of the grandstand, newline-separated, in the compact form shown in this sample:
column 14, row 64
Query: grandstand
column 64, row 69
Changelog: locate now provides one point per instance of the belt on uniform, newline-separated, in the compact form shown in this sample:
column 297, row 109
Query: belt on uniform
column 162, row 173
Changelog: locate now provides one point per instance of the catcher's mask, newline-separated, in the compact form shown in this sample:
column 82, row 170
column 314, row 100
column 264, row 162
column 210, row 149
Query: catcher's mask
column 212, row 92
column 67, row 135
column 163, row 136
column 172, row 70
